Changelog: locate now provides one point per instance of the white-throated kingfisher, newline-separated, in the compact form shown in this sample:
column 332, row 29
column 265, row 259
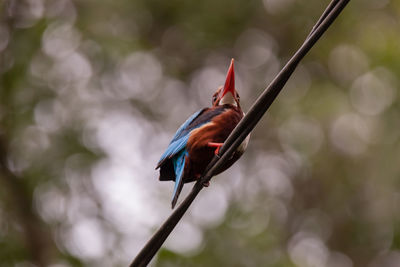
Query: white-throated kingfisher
column 200, row 137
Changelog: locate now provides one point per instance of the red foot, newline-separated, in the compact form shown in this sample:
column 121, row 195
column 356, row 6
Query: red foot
column 217, row 145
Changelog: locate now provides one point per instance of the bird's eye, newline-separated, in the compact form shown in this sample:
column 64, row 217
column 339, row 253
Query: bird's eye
column 237, row 96
column 214, row 99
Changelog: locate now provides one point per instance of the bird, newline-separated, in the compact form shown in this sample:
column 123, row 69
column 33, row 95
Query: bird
column 201, row 136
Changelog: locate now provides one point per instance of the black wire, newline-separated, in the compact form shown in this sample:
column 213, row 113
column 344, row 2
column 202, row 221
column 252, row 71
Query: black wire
column 245, row 126
column 327, row 11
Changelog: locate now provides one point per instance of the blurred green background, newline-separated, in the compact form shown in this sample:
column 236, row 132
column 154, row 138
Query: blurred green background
column 92, row 91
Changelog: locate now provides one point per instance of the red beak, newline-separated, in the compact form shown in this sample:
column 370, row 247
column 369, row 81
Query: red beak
column 230, row 81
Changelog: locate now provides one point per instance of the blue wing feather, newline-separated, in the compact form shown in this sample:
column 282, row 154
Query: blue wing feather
column 180, row 139
column 182, row 135
column 183, row 127
column 179, row 166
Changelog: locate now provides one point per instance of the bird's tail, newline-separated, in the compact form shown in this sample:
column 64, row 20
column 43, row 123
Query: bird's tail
column 179, row 166
column 177, row 193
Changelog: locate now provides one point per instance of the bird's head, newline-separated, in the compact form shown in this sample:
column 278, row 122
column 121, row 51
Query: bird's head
column 227, row 94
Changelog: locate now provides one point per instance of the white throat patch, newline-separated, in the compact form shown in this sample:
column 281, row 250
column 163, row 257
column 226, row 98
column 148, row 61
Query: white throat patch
column 228, row 99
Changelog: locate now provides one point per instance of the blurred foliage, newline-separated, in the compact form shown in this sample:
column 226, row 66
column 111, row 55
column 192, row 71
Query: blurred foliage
column 92, row 91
